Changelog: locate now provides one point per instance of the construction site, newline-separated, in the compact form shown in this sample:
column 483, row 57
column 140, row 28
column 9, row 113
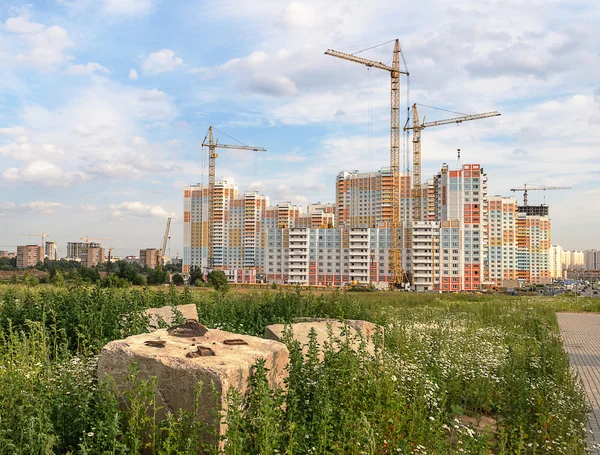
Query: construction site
column 392, row 228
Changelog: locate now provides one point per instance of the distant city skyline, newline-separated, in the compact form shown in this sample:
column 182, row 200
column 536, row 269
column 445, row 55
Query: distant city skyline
column 104, row 106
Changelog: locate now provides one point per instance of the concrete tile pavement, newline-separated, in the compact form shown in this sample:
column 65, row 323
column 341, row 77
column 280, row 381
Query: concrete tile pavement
column 581, row 337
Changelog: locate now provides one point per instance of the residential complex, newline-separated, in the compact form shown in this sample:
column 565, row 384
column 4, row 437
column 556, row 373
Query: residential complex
column 29, row 256
column 465, row 241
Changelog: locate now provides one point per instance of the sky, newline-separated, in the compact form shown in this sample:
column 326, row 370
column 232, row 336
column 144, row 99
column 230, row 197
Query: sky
column 104, row 105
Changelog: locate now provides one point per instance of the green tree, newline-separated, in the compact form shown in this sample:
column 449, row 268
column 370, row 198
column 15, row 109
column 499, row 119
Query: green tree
column 58, row 279
column 113, row 281
column 196, row 276
column 178, row 280
column 156, row 276
column 218, row 280
column 30, row 280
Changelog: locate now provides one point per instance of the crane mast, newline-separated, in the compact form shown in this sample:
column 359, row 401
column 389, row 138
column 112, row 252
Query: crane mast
column 161, row 253
column 397, row 271
column 212, row 157
column 416, row 128
column 42, row 235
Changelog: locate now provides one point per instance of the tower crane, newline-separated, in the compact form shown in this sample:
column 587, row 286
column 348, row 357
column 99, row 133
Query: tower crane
column 525, row 188
column 398, row 274
column 416, row 128
column 42, row 235
column 212, row 157
column 161, row 253
column 87, row 239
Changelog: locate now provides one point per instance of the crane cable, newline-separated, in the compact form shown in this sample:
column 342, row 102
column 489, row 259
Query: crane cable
column 373, row 47
column 370, row 200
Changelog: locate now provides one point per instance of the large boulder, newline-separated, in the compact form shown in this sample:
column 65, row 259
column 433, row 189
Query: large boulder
column 167, row 315
column 179, row 366
column 357, row 331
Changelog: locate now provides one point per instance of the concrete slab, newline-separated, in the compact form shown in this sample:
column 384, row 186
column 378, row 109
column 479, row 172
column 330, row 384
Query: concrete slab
column 166, row 314
column 178, row 366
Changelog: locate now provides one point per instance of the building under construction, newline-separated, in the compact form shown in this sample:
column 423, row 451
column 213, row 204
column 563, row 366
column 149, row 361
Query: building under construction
column 386, row 227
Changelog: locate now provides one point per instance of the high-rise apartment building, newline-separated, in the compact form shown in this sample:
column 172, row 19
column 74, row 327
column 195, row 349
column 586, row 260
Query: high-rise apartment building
column 365, row 199
column 577, row 259
column 426, row 255
column 502, row 235
column 556, row 261
column 592, row 259
column 327, row 257
column 76, row 250
column 241, row 221
column 533, row 247
column 29, row 256
column 461, row 209
column 51, row 250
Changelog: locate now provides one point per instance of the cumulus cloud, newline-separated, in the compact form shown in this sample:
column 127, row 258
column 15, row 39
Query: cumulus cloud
column 138, row 209
column 90, row 68
column 161, row 61
column 23, row 150
column 13, row 131
column 22, row 25
column 152, row 95
column 36, row 207
column 47, row 208
column 133, row 75
column 42, row 173
column 38, row 45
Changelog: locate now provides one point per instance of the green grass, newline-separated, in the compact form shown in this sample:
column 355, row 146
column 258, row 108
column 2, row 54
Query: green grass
column 444, row 357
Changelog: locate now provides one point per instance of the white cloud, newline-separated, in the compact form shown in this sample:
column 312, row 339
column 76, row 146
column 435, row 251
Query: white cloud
column 47, row 208
column 24, row 151
column 21, row 25
column 138, row 209
column 152, row 95
column 13, row 131
column 133, row 75
column 42, row 173
column 6, row 206
column 90, row 68
column 38, row 45
column 35, row 207
column 88, row 207
column 161, row 62
column 128, row 7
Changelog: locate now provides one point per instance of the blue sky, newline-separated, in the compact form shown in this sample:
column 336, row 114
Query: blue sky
column 104, row 104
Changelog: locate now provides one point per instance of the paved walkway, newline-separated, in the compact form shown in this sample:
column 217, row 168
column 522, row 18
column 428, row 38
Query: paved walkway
column 581, row 335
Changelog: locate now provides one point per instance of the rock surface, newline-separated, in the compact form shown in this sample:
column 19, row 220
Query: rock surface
column 301, row 331
column 166, row 314
column 179, row 367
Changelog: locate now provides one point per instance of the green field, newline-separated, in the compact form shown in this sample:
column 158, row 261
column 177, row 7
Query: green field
column 447, row 363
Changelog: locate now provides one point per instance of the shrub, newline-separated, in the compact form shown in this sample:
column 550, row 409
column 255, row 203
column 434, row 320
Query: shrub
column 218, row 280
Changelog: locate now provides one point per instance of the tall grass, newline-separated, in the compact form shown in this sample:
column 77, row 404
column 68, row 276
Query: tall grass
column 444, row 358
